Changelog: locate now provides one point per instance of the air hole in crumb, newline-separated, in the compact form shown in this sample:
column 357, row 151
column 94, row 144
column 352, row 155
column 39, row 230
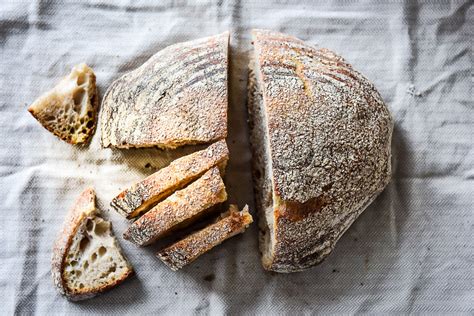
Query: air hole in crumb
column 81, row 286
column 74, row 263
column 90, row 124
column 102, row 251
column 81, row 79
column 78, row 273
column 84, row 243
column 86, row 264
column 93, row 257
column 89, row 113
column 78, row 97
column 101, row 228
column 89, row 225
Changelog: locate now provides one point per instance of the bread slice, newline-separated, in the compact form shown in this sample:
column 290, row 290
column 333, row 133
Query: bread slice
column 144, row 194
column 190, row 248
column 320, row 136
column 180, row 209
column 178, row 97
column 87, row 258
column 69, row 110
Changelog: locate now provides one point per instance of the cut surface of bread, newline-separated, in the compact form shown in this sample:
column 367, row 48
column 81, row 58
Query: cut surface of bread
column 320, row 136
column 190, row 248
column 178, row 97
column 144, row 194
column 178, row 210
column 87, row 258
column 69, row 110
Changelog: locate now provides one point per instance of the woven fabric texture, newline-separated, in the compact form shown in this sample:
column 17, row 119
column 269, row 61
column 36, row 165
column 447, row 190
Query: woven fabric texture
column 410, row 251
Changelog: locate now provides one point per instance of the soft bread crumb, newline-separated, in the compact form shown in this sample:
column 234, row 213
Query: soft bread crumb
column 262, row 170
column 94, row 259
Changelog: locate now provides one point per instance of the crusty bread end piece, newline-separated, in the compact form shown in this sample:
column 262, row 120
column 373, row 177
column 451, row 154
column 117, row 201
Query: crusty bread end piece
column 87, row 258
column 69, row 110
column 180, row 209
column 190, row 248
column 144, row 194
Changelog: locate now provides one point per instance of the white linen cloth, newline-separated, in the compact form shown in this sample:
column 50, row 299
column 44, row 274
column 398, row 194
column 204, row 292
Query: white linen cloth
column 410, row 251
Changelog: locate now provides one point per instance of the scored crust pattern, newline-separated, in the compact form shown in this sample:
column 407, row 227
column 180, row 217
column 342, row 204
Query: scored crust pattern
column 178, row 97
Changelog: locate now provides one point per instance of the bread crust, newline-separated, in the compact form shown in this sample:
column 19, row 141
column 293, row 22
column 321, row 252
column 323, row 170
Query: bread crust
column 179, row 209
column 83, row 207
column 190, row 248
column 178, row 97
column 143, row 194
column 329, row 137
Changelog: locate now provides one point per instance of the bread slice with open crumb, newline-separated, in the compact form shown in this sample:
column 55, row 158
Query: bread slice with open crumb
column 190, row 248
column 144, row 194
column 180, row 209
column 69, row 110
column 87, row 258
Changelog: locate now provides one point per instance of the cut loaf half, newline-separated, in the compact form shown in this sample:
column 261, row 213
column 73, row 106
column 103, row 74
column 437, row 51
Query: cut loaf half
column 87, row 258
column 320, row 136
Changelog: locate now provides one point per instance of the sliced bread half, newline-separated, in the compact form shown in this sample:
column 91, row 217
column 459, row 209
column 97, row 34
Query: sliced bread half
column 178, row 97
column 320, row 135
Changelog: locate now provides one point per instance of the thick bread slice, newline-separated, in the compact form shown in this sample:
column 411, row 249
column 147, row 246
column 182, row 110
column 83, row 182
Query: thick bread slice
column 180, row 209
column 87, row 258
column 178, row 97
column 69, row 110
column 320, row 136
column 142, row 195
column 190, row 248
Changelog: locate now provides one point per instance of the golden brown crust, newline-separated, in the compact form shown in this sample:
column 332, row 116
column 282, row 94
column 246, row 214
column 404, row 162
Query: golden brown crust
column 190, row 248
column 83, row 207
column 179, row 209
column 69, row 110
column 178, row 97
column 329, row 135
column 143, row 194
